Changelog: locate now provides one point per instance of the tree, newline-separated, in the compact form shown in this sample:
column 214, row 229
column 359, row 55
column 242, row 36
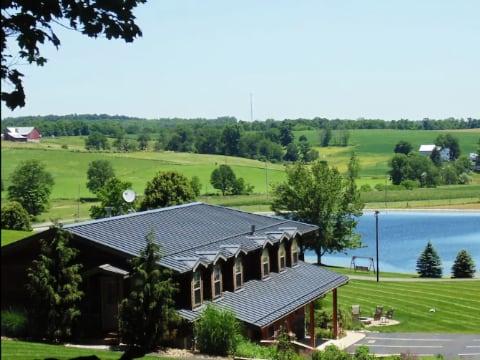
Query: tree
column 217, row 331
column 241, row 187
column 436, row 157
column 464, row 266
column 403, row 147
column 96, row 141
column 29, row 25
column 15, row 217
column 143, row 140
column 429, row 264
column 400, row 168
column 319, row 195
column 325, row 137
column 148, row 316
column 292, row 153
column 167, row 189
column 196, row 185
column 353, row 167
column 123, row 144
column 448, row 141
column 31, row 185
column 98, row 173
column 285, row 348
column 111, row 199
column 231, row 140
column 223, row 178
column 54, row 286
column 286, row 134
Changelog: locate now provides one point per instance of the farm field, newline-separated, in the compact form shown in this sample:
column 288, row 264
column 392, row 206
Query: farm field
column 412, row 302
column 374, row 147
column 22, row 350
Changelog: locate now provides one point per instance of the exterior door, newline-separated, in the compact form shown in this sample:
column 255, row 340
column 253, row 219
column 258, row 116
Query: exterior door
column 110, row 293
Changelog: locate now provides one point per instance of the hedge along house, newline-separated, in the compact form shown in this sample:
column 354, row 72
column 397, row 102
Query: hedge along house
column 244, row 262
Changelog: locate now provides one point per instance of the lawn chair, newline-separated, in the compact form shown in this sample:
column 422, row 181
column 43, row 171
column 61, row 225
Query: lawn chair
column 378, row 313
column 389, row 314
column 356, row 312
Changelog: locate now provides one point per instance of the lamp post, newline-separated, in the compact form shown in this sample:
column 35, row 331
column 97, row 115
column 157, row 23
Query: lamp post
column 376, row 242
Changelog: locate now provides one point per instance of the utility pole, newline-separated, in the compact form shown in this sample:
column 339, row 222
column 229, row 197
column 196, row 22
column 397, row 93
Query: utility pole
column 376, row 242
column 251, row 107
column 266, row 178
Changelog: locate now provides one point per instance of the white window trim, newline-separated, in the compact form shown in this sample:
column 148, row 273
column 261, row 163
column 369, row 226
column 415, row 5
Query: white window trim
column 235, row 273
column 280, row 269
column 194, row 305
column 294, row 242
column 214, row 295
column 263, row 263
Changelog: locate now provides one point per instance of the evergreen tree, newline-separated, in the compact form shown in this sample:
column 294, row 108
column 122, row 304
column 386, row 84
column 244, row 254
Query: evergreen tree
column 147, row 316
column 464, row 266
column 429, row 264
column 53, row 284
column 292, row 153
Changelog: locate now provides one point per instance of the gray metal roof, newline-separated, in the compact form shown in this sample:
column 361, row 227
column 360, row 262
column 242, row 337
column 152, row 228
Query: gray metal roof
column 191, row 234
column 262, row 302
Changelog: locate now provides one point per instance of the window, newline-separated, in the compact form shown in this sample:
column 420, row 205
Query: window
column 217, row 281
column 265, row 263
column 197, row 288
column 282, row 263
column 294, row 252
column 238, row 274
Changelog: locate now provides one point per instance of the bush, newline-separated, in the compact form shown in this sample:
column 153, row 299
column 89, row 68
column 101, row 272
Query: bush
column 217, row 332
column 64, row 146
column 464, row 179
column 14, row 323
column 365, row 188
column 331, row 352
column 363, row 353
column 248, row 349
column 15, row 217
column 410, row 184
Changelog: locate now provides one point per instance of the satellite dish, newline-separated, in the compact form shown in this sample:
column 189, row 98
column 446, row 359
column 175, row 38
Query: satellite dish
column 129, row 195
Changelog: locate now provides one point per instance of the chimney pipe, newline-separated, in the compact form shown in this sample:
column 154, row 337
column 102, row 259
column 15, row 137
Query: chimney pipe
column 252, row 230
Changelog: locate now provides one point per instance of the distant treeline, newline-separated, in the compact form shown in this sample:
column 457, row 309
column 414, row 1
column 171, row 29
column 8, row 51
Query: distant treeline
column 112, row 125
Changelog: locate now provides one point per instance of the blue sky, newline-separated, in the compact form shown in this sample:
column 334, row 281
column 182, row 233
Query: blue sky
column 331, row 58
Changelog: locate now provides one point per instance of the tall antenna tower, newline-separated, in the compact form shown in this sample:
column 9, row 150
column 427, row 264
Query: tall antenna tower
column 251, row 107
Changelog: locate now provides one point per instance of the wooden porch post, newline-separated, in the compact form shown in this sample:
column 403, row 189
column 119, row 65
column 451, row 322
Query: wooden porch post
column 335, row 312
column 312, row 324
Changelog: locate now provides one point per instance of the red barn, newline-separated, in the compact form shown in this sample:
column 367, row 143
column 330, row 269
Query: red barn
column 22, row 134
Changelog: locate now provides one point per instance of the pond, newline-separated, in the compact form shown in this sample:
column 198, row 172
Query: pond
column 404, row 234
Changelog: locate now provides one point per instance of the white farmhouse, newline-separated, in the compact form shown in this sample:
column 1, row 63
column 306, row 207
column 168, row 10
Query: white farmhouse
column 426, row 150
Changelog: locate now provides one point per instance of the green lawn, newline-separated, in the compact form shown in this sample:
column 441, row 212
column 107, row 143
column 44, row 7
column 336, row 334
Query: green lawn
column 346, row 271
column 456, row 304
column 22, row 350
column 9, row 236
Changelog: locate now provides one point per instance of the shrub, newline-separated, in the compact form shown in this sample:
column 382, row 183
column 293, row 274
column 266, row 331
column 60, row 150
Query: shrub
column 331, row 352
column 14, row 323
column 365, row 188
column 15, row 217
column 217, row 331
column 379, row 187
column 363, row 353
column 410, row 184
column 64, row 146
column 464, row 179
column 464, row 266
column 248, row 349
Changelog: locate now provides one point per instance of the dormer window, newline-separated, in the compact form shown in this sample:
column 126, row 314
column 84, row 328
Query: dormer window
column 197, row 289
column 265, row 263
column 217, row 281
column 282, row 260
column 294, row 252
column 238, row 274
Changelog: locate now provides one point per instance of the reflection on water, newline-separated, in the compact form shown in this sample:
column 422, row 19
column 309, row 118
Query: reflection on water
column 404, row 234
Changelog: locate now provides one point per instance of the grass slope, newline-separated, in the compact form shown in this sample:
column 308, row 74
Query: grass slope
column 22, row 350
column 375, row 146
column 9, row 236
column 456, row 304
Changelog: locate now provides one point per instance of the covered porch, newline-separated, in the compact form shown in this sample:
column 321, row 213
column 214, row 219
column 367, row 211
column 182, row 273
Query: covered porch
column 300, row 325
